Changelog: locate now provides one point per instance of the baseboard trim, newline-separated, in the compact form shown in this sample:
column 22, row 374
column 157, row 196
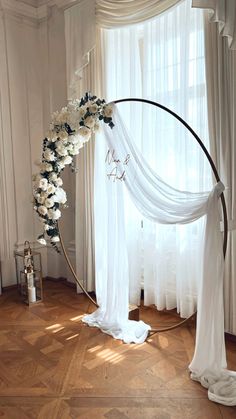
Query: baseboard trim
column 60, row 279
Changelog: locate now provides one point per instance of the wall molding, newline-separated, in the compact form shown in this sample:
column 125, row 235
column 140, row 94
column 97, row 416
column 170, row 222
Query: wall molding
column 33, row 12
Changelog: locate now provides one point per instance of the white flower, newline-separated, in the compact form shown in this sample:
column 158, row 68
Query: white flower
column 49, row 202
column 55, row 239
column 63, row 135
column 53, row 177
column 89, row 121
column 60, row 118
column 42, row 241
column 51, row 189
column 74, row 139
column 93, row 108
column 70, row 148
column 60, row 164
column 84, row 132
column 61, row 150
column 107, row 111
column 59, row 181
column 40, row 199
column 82, row 111
column 46, row 167
column 77, row 142
column 49, row 155
column 43, row 183
column 52, row 136
column 66, row 160
column 60, row 196
column 42, row 210
column 75, row 150
column 54, row 214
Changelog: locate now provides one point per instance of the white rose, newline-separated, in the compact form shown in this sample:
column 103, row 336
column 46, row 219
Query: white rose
column 49, row 202
column 93, row 108
column 75, row 150
column 66, row 160
column 43, row 183
column 60, row 118
column 74, row 139
column 60, row 196
column 84, row 132
column 61, row 150
column 63, row 135
column 51, row 189
column 54, row 214
column 53, row 177
column 70, row 148
column 82, row 111
column 46, row 167
column 60, row 165
column 89, row 121
column 59, row 181
column 42, row 210
column 42, row 241
column 107, row 111
column 55, row 239
column 49, row 155
column 40, row 199
column 52, row 136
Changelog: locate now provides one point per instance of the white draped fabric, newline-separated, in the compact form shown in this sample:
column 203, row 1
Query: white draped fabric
column 160, row 202
column 224, row 13
column 113, row 13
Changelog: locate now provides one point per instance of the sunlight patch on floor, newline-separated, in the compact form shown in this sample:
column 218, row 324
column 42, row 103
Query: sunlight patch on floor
column 58, row 329
column 94, row 349
column 53, row 326
column 72, row 337
column 110, row 356
column 77, row 318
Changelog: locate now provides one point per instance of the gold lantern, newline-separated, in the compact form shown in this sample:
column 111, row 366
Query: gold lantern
column 29, row 274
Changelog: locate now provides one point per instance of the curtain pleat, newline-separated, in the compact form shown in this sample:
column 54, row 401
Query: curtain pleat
column 113, row 13
column 221, row 99
column 224, row 13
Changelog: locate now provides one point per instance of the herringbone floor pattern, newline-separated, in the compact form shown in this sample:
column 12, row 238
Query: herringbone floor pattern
column 53, row 366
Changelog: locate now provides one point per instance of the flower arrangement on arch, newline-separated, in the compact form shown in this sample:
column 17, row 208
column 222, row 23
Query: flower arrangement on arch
column 70, row 129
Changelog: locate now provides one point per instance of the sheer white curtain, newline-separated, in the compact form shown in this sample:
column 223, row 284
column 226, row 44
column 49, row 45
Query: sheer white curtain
column 163, row 60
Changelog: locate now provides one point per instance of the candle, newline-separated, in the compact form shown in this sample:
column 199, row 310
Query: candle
column 32, row 294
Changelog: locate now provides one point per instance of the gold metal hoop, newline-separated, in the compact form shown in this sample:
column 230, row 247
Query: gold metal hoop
column 223, row 204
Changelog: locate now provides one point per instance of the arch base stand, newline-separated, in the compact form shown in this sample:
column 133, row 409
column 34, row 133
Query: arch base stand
column 133, row 310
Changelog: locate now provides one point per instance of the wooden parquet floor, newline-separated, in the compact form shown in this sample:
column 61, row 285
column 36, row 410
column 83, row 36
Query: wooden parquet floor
column 53, row 366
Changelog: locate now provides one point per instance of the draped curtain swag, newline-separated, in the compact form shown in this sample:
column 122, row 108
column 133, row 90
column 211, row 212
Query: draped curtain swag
column 223, row 12
column 113, row 13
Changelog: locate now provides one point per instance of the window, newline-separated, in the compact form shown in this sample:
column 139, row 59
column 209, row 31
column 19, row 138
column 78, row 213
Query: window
column 163, row 60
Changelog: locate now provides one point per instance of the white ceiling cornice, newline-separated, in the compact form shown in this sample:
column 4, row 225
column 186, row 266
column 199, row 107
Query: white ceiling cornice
column 33, row 10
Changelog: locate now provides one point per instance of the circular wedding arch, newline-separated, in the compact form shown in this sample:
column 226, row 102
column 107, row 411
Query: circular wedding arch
column 222, row 198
